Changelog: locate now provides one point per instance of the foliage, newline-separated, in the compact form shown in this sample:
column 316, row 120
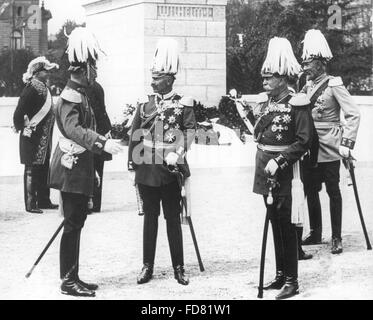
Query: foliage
column 269, row 19
column 12, row 84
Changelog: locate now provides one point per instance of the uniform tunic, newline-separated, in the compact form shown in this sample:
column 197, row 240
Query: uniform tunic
column 326, row 114
column 172, row 127
column 76, row 122
column 34, row 150
column 289, row 124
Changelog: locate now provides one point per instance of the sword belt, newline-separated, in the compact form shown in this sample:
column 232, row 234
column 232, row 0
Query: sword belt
column 265, row 147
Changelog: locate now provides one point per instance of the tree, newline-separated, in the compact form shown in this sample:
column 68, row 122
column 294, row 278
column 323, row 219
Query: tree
column 12, row 79
column 269, row 19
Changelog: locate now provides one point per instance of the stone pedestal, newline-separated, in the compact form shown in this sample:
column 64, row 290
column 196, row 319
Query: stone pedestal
column 128, row 31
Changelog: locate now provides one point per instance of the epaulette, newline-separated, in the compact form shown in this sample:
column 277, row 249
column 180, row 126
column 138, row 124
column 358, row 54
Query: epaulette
column 143, row 99
column 187, row 101
column 262, row 97
column 71, row 95
column 299, row 100
column 335, row 81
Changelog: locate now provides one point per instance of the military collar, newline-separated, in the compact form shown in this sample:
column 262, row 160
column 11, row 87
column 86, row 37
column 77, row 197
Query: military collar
column 166, row 96
column 76, row 86
column 319, row 78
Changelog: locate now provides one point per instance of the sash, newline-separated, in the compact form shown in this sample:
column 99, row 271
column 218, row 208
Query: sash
column 315, row 93
column 263, row 122
column 37, row 118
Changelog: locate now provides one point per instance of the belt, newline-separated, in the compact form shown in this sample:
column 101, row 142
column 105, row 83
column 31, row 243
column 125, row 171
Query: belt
column 326, row 124
column 158, row 144
column 69, row 146
column 269, row 148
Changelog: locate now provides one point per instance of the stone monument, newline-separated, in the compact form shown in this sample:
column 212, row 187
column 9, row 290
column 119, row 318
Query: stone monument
column 128, row 31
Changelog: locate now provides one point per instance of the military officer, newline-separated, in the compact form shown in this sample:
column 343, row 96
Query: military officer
column 72, row 169
column 96, row 96
column 34, row 119
column 329, row 97
column 283, row 131
column 163, row 129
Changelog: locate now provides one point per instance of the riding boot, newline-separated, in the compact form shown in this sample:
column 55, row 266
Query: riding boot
column 30, row 191
column 277, row 283
column 89, row 286
column 291, row 288
column 301, row 254
column 175, row 241
column 68, row 265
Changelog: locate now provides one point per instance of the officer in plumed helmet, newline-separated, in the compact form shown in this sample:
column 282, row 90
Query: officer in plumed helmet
column 328, row 98
column 162, row 131
column 72, row 167
column 34, row 119
column 283, row 131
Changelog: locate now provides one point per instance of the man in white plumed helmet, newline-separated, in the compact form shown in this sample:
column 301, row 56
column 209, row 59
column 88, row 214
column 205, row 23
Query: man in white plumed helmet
column 72, row 168
column 328, row 98
column 283, row 131
column 34, row 118
column 163, row 129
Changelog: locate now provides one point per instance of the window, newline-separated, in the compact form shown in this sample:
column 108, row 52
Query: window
column 17, row 40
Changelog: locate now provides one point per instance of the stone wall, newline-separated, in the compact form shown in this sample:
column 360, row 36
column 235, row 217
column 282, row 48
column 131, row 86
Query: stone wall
column 129, row 30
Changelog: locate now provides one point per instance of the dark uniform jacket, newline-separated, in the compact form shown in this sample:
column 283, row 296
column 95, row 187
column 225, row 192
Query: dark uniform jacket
column 96, row 97
column 289, row 124
column 76, row 122
column 37, row 148
column 172, row 127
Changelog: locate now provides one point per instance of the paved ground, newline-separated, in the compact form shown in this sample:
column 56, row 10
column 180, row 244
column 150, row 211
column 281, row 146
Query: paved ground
column 228, row 219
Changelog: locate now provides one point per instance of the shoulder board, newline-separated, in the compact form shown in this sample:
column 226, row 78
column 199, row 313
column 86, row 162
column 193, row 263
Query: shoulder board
column 335, row 81
column 262, row 97
column 187, row 101
column 299, row 100
column 71, row 95
column 143, row 99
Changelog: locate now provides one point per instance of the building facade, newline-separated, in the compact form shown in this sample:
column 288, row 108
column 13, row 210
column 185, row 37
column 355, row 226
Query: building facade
column 24, row 25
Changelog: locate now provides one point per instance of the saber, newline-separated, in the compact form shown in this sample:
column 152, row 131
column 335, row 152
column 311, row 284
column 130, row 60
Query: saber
column 348, row 162
column 272, row 185
column 28, row 274
column 180, row 179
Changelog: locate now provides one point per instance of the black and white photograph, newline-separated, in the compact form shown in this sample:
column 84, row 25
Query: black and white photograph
column 176, row 151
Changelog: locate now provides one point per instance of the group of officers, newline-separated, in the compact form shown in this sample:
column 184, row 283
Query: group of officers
column 297, row 134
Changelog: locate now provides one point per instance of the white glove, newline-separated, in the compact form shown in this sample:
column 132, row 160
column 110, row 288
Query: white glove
column 108, row 135
column 131, row 176
column 271, row 167
column 344, row 151
column 171, row 159
column 113, row 146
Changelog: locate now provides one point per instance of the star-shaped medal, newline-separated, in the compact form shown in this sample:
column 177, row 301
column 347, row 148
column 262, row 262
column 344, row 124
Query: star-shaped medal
column 178, row 111
column 279, row 137
column 169, row 136
column 171, row 119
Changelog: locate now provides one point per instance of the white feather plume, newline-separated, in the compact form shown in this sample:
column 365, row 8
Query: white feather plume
column 82, row 45
column 166, row 57
column 35, row 64
column 280, row 58
column 315, row 45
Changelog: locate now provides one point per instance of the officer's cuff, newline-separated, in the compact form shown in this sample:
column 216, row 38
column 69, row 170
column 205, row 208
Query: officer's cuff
column 131, row 166
column 281, row 161
column 348, row 143
column 99, row 144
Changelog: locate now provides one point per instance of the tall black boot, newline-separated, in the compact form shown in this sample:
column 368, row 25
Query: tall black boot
column 30, row 190
column 68, row 266
column 290, row 289
column 89, row 286
column 175, row 241
column 43, row 191
column 314, row 208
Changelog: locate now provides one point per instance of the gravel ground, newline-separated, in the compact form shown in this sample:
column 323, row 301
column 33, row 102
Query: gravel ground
column 228, row 219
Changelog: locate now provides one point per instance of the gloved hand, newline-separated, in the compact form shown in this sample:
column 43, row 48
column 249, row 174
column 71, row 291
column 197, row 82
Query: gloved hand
column 344, row 151
column 108, row 135
column 113, row 146
column 171, row 159
column 131, row 176
column 271, row 167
